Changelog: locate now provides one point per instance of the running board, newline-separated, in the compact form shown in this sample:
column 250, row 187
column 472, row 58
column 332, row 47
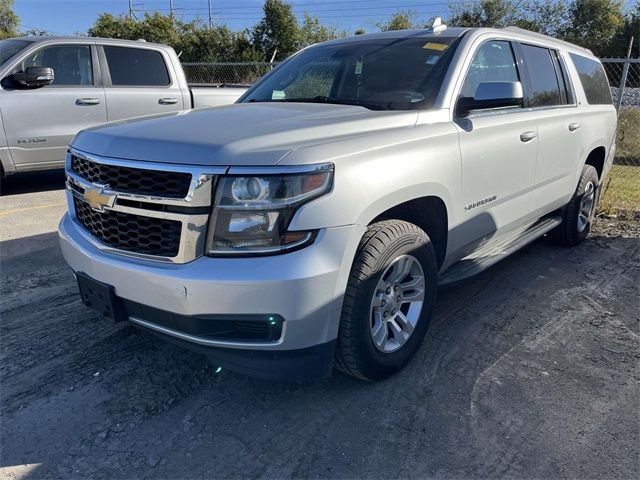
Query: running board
column 496, row 250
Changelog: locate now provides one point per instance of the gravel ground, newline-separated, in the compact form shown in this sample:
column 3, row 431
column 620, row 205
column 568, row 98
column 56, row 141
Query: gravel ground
column 529, row 370
column 631, row 97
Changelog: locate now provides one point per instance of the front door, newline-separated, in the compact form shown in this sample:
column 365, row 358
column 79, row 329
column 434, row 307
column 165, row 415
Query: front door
column 39, row 123
column 498, row 148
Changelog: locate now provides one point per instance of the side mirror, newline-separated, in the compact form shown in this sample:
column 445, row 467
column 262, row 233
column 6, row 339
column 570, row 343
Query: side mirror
column 34, row 77
column 491, row 95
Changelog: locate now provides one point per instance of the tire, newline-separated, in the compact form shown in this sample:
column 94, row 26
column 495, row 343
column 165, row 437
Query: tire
column 386, row 250
column 576, row 224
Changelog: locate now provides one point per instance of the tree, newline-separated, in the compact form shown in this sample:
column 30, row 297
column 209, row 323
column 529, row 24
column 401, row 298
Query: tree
column 486, row 13
column 277, row 31
column 544, row 16
column 9, row 21
column 312, row 31
column 193, row 40
column 401, row 20
column 593, row 23
column 619, row 44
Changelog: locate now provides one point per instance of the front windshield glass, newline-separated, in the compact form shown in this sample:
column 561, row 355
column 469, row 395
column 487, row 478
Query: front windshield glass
column 379, row 74
column 8, row 48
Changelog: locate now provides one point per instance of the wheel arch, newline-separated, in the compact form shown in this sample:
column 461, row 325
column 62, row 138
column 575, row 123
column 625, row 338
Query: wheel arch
column 596, row 159
column 430, row 214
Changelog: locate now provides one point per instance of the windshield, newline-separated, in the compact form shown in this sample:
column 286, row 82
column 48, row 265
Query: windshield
column 380, row 74
column 8, row 48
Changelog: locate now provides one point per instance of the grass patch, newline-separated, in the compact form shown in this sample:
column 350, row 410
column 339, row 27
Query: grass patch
column 621, row 196
column 628, row 134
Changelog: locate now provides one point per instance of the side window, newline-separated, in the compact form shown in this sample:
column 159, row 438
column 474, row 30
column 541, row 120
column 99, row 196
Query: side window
column 493, row 62
column 593, row 79
column 71, row 63
column 136, row 67
column 545, row 89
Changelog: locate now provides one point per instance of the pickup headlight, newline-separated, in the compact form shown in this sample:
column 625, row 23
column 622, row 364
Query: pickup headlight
column 251, row 213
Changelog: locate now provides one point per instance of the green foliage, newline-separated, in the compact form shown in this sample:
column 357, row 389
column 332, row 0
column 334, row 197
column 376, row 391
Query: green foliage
column 544, row 16
column 593, row 23
column 486, row 13
column 599, row 25
column 401, row 20
column 312, row 31
column 277, row 32
column 9, row 21
column 194, row 41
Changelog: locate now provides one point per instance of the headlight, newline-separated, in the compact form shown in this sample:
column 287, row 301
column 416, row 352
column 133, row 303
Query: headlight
column 251, row 213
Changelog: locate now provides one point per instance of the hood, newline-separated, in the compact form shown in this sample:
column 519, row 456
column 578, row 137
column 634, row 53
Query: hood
column 238, row 134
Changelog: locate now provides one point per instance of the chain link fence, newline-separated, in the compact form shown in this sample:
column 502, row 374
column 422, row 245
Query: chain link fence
column 622, row 190
column 225, row 73
column 621, row 196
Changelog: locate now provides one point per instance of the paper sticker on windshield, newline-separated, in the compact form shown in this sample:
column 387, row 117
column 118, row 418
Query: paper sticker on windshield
column 359, row 67
column 433, row 59
column 440, row 47
column 278, row 95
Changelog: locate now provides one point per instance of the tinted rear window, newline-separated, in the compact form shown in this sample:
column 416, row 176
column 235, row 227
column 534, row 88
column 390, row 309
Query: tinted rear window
column 593, row 79
column 545, row 89
column 136, row 66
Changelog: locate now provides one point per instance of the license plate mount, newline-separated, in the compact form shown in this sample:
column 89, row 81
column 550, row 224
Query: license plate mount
column 100, row 297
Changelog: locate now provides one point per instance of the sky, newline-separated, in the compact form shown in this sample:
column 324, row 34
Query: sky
column 67, row 17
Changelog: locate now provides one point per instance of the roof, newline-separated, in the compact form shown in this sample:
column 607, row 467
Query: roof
column 396, row 34
column 118, row 41
column 514, row 32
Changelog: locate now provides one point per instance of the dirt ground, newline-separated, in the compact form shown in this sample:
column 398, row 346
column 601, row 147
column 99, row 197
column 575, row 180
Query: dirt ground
column 530, row 370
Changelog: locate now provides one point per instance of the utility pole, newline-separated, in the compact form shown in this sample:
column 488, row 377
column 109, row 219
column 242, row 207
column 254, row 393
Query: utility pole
column 171, row 7
column 130, row 10
column 210, row 19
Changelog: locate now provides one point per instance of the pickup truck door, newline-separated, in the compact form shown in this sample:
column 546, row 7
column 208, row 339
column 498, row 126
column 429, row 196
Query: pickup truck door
column 39, row 123
column 139, row 81
column 498, row 148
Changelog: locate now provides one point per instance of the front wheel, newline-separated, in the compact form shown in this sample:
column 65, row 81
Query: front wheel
column 389, row 300
column 578, row 214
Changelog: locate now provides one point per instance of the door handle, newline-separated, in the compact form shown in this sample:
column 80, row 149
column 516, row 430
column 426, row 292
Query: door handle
column 573, row 127
column 87, row 101
column 168, row 101
column 528, row 136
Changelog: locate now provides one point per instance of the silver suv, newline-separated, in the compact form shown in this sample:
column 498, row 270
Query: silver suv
column 310, row 224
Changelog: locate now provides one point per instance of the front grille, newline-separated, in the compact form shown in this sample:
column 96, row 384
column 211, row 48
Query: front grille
column 132, row 233
column 133, row 180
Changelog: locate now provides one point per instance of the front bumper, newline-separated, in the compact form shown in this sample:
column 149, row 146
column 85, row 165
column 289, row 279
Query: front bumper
column 305, row 287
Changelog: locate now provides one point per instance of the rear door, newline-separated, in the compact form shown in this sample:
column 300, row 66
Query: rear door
column 499, row 148
column 138, row 82
column 559, row 127
column 40, row 123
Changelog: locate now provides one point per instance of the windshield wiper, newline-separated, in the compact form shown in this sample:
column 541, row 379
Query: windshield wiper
column 335, row 101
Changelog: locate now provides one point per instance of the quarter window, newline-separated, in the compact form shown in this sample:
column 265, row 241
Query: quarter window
column 593, row 79
column 136, row 67
column 71, row 63
column 545, row 89
column 493, row 62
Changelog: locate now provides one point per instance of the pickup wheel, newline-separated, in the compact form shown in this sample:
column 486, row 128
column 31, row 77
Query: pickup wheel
column 577, row 215
column 389, row 300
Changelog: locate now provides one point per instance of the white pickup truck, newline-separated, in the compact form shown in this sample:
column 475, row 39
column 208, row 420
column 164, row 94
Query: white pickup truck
column 53, row 87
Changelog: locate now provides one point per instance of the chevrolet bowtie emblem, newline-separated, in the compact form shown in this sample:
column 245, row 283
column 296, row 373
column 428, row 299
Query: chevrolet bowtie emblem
column 98, row 200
